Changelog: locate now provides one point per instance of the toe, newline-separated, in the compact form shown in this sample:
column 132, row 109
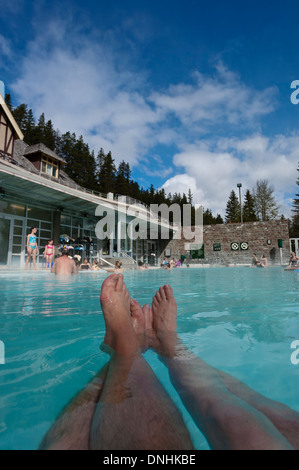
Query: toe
column 137, row 316
column 148, row 316
column 119, row 283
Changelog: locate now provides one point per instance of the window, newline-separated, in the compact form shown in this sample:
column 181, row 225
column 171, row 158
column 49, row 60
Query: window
column 49, row 166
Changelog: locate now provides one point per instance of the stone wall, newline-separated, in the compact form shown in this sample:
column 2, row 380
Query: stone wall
column 236, row 243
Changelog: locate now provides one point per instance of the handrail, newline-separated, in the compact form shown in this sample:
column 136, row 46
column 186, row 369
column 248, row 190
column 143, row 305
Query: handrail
column 107, row 262
column 125, row 255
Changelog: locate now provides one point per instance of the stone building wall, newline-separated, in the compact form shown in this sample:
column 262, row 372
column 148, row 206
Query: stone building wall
column 247, row 238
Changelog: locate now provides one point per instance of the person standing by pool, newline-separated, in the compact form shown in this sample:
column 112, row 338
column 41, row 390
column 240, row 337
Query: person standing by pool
column 64, row 265
column 32, row 248
column 49, row 253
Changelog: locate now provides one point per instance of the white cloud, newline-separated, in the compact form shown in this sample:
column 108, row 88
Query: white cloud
column 78, row 84
column 219, row 98
column 213, row 174
column 84, row 85
column 5, row 48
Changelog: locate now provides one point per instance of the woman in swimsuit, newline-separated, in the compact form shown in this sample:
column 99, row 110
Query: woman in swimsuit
column 31, row 247
column 49, row 253
column 85, row 265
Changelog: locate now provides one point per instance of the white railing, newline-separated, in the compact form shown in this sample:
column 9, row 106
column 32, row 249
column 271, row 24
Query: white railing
column 107, row 262
column 123, row 254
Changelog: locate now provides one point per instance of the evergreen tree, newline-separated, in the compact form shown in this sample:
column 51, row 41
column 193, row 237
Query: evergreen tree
column 8, row 101
column 249, row 214
column 233, row 213
column 295, row 219
column 209, row 219
column 106, row 173
column 264, row 202
column 30, row 129
column 123, row 176
column 20, row 115
column 65, row 148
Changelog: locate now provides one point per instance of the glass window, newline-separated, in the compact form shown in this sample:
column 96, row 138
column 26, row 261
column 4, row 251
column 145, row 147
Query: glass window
column 77, row 221
column 12, row 208
column 65, row 219
column 17, row 230
column 45, row 234
column 40, row 214
column 32, row 223
column 17, row 240
column 16, row 249
column 64, row 230
column 49, row 166
column 46, row 226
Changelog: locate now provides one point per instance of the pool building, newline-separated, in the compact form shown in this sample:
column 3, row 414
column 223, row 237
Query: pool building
column 35, row 191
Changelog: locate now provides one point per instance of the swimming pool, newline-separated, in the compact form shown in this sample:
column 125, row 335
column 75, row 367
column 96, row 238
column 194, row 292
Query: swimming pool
column 240, row 320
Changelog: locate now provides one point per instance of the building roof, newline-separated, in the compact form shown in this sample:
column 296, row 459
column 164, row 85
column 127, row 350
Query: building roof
column 42, row 148
column 11, row 119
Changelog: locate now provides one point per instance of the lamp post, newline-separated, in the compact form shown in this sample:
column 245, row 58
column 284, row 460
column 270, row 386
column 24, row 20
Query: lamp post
column 239, row 185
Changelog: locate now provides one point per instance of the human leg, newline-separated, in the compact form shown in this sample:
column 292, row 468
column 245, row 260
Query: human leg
column 29, row 252
column 71, row 430
column 34, row 253
column 227, row 421
column 134, row 411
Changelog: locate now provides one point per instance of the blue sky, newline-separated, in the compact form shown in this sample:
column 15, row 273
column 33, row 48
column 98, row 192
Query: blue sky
column 193, row 94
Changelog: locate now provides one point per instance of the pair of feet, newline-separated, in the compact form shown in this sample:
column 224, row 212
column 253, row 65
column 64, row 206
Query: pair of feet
column 132, row 329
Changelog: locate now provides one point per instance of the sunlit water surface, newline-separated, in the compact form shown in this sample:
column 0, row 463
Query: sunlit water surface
column 240, row 320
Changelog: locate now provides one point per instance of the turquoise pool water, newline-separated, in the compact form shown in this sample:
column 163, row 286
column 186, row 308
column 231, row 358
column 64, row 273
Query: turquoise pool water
column 240, row 320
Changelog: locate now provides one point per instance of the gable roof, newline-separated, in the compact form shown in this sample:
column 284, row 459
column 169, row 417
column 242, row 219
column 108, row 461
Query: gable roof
column 42, row 148
column 11, row 119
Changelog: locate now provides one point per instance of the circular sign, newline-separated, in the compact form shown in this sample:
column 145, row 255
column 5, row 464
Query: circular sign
column 244, row 246
column 235, row 246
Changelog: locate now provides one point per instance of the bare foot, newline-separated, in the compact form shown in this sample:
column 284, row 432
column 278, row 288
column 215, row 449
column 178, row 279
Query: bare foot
column 138, row 322
column 115, row 301
column 164, row 310
column 142, row 319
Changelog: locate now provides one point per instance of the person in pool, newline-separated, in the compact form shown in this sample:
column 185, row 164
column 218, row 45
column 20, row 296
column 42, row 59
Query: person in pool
column 85, row 265
column 264, row 262
column 95, row 265
column 126, row 395
column 64, row 265
column 293, row 259
column 32, row 248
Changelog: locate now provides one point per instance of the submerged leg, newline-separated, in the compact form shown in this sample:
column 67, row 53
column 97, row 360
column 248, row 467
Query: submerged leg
column 284, row 418
column 227, row 421
column 71, row 430
column 134, row 411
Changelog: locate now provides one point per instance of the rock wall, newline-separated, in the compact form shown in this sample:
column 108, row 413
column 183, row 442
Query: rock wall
column 236, row 243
